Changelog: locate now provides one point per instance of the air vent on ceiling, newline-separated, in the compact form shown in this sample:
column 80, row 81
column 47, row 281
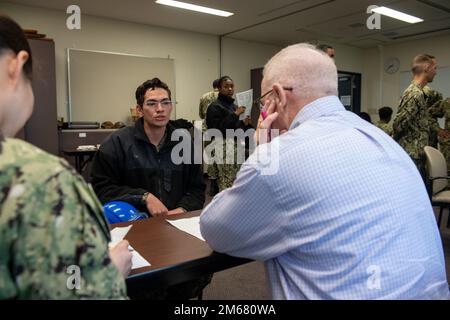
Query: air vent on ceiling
column 421, row 33
column 280, row 8
column 441, row 5
column 357, row 25
column 390, row 34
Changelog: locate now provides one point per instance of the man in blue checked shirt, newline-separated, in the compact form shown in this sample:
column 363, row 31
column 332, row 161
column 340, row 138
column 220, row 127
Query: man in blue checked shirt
column 333, row 205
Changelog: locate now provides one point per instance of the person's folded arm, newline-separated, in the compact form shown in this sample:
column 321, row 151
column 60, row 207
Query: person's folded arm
column 194, row 198
column 106, row 176
column 437, row 110
column 216, row 120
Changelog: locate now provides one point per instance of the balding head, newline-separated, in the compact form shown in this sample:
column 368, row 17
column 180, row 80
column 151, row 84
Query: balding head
column 310, row 72
column 295, row 77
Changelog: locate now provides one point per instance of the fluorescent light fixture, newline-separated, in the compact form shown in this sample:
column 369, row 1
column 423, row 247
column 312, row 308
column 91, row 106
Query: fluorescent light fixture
column 193, row 7
column 397, row 15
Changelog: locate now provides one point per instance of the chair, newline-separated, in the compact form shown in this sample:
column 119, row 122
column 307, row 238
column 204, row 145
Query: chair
column 437, row 181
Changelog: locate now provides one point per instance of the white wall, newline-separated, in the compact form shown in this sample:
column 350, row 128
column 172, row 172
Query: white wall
column 238, row 55
column 348, row 58
column 390, row 84
column 241, row 55
column 196, row 55
column 371, row 85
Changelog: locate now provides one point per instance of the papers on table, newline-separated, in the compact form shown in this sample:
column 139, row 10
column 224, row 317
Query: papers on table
column 245, row 99
column 188, row 225
column 87, row 148
column 117, row 235
column 138, row 261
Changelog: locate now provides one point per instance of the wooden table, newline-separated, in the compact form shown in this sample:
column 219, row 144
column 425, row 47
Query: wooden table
column 175, row 256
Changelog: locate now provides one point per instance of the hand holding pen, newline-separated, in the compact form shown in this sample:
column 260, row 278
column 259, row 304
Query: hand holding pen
column 268, row 116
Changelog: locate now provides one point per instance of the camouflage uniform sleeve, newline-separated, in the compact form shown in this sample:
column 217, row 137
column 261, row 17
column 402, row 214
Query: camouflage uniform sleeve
column 202, row 109
column 389, row 130
column 407, row 113
column 435, row 102
column 61, row 251
column 434, row 96
column 446, row 107
column 437, row 110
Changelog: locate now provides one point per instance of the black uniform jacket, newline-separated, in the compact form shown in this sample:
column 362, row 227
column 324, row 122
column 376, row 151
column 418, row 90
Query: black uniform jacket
column 127, row 165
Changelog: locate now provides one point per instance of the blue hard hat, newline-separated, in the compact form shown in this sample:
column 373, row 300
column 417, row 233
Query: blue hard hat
column 120, row 211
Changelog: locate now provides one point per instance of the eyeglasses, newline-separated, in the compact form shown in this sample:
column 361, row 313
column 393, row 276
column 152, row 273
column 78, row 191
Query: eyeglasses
column 164, row 103
column 260, row 101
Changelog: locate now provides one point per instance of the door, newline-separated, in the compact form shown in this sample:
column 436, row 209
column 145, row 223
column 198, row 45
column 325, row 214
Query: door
column 349, row 88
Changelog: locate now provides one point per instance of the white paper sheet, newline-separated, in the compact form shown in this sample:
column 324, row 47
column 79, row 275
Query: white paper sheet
column 117, row 235
column 346, row 100
column 245, row 99
column 138, row 261
column 188, row 225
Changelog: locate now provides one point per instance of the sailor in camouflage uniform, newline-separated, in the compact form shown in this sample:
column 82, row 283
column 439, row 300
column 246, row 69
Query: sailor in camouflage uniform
column 224, row 115
column 50, row 220
column 54, row 239
column 411, row 125
column 440, row 108
column 385, row 115
column 433, row 100
column 444, row 138
column 205, row 101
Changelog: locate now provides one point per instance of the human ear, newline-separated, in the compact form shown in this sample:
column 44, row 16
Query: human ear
column 280, row 97
column 15, row 66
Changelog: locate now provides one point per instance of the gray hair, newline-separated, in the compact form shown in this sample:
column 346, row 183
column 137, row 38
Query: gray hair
column 310, row 72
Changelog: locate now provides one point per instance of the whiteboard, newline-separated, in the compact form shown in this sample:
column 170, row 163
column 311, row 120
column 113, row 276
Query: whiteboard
column 102, row 85
column 440, row 83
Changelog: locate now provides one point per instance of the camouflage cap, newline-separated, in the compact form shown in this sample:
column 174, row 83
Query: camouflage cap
column 107, row 125
column 119, row 125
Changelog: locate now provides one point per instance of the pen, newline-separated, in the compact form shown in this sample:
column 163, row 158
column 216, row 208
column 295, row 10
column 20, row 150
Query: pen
column 264, row 116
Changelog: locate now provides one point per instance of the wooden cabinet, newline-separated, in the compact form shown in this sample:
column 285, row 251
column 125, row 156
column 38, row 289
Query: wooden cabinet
column 41, row 129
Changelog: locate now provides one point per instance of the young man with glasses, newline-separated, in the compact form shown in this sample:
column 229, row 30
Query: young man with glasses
column 134, row 164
